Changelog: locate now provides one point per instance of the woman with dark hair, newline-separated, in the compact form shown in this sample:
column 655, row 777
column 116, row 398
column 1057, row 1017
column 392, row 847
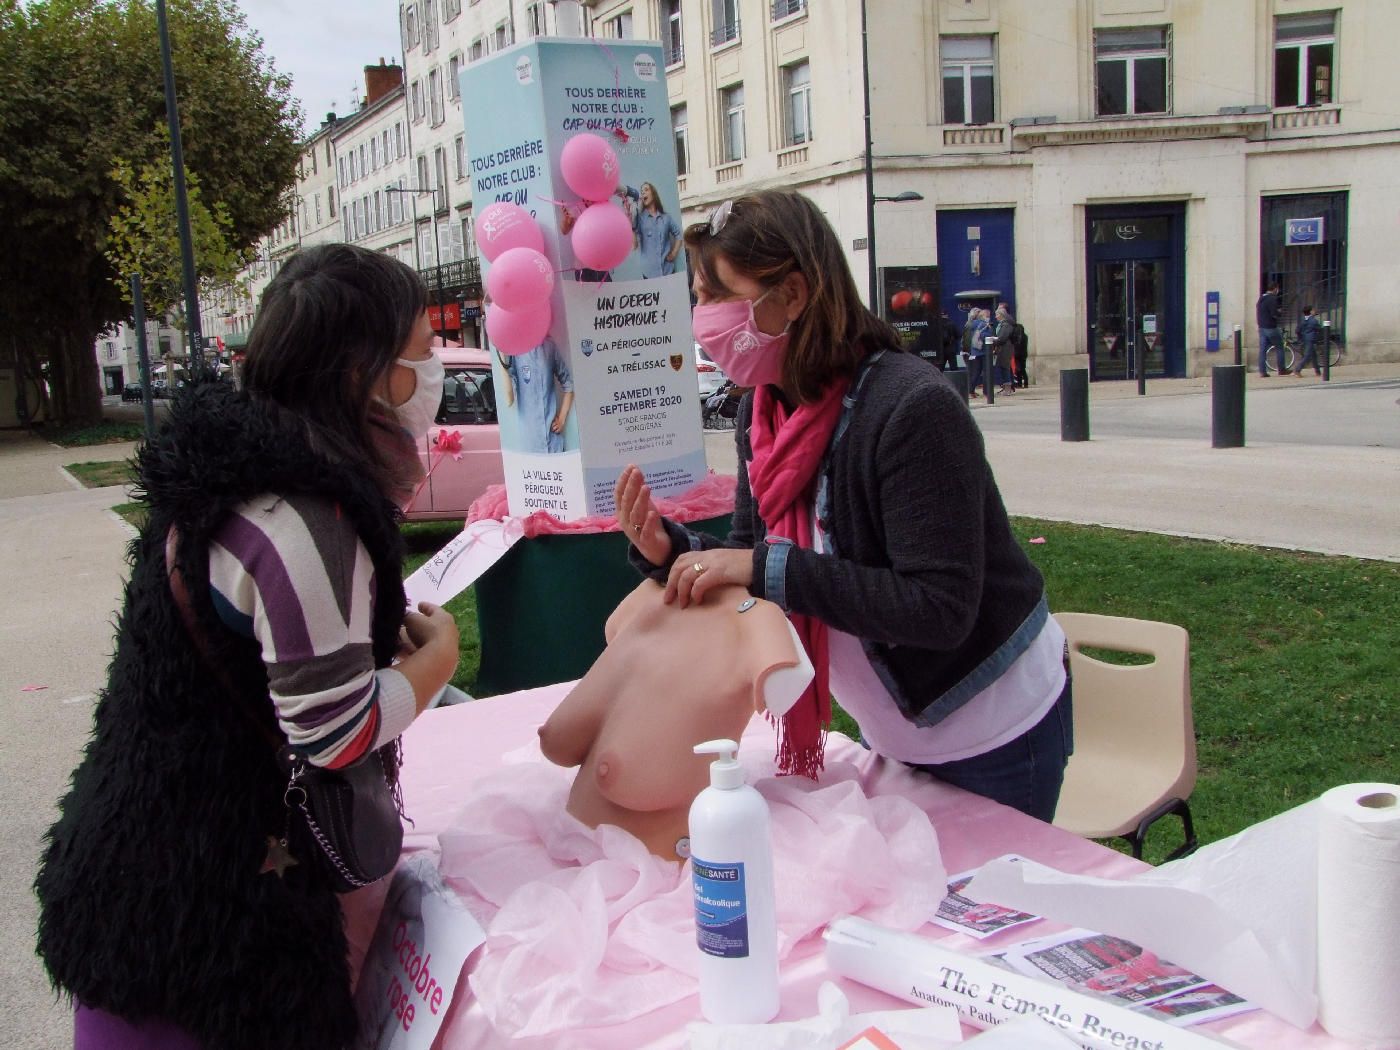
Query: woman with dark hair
column 867, row 510
column 265, row 605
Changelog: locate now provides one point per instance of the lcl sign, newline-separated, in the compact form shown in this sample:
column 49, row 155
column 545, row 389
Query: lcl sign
column 1303, row 231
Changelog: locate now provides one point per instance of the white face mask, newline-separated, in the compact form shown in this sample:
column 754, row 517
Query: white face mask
column 416, row 415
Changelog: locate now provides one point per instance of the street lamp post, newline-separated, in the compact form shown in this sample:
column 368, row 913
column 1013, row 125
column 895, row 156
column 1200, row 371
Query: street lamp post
column 870, row 197
column 413, row 191
column 182, row 209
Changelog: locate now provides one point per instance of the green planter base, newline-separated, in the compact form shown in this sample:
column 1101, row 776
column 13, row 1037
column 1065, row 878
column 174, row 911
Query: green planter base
column 541, row 609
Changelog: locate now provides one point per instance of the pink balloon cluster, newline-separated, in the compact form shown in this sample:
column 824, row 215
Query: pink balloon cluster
column 520, row 279
column 602, row 235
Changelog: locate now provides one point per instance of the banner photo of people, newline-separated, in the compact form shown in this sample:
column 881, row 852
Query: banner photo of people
column 577, row 219
column 910, row 305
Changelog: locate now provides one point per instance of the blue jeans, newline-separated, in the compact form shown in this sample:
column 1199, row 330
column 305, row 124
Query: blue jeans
column 1269, row 337
column 974, row 373
column 1025, row 773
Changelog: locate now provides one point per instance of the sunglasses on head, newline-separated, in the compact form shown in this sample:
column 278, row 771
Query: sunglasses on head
column 717, row 218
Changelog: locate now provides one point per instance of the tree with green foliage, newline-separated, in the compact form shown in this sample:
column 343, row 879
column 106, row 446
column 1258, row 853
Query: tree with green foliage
column 81, row 102
column 144, row 238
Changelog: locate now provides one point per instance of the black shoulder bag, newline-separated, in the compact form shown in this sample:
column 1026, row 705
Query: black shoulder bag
column 346, row 823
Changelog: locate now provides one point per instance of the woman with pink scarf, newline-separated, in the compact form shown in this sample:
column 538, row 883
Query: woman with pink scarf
column 867, row 511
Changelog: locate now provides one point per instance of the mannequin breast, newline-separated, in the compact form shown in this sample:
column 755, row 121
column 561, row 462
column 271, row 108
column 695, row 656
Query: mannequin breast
column 669, row 679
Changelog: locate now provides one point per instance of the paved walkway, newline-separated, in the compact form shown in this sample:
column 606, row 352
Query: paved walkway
column 62, row 563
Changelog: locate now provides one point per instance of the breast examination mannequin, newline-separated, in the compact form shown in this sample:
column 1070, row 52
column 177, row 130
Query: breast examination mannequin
column 670, row 678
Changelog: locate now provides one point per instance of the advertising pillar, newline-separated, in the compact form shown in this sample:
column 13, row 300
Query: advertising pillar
column 613, row 380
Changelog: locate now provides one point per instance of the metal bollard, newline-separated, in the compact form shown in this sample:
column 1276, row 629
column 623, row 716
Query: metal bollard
column 1074, row 404
column 1227, row 406
column 1239, row 346
column 1327, row 351
column 989, row 368
column 958, row 380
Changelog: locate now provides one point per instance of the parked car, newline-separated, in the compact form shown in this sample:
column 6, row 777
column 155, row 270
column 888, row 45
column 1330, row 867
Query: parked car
column 456, row 478
column 131, row 392
column 711, row 376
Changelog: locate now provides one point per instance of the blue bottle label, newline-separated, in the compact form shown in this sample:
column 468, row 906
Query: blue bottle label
column 721, row 909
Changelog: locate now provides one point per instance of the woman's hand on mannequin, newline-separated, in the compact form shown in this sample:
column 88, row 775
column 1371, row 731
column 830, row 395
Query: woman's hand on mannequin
column 696, row 572
column 639, row 518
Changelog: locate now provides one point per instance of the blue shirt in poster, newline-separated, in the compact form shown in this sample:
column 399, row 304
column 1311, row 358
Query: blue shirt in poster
column 656, row 235
column 538, row 376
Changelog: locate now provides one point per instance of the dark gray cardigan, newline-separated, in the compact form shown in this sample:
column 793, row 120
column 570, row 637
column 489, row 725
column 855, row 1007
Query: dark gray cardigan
column 926, row 571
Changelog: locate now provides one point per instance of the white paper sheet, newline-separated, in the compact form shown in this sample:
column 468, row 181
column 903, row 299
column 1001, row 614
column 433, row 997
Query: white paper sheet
column 1241, row 911
column 462, row 562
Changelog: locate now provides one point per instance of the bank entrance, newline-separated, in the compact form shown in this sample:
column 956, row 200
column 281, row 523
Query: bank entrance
column 1136, row 262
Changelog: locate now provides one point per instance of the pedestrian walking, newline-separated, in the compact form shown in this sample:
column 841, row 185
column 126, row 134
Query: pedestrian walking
column 1310, row 335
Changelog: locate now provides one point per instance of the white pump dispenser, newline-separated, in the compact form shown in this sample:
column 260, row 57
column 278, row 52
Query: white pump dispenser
column 736, row 925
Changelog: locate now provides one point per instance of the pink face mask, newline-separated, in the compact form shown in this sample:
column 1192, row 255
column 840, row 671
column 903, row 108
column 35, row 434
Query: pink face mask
column 728, row 333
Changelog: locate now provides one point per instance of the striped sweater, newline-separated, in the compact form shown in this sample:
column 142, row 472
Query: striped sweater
column 292, row 574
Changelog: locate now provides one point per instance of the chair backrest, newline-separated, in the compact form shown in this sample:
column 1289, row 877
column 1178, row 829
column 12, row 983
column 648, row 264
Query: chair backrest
column 1135, row 743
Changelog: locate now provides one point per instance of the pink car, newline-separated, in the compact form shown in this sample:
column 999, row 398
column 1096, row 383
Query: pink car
column 462, row 453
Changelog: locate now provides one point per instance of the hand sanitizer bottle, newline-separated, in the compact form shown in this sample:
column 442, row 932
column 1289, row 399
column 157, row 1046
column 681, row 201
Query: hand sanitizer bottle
column 736, row 925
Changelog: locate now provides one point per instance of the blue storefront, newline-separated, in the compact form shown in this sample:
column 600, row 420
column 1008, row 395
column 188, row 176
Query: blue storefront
column 976, row 259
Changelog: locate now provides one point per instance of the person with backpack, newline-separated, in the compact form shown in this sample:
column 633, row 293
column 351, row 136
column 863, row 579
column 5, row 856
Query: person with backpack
column 974, row 347
column 1020, row 351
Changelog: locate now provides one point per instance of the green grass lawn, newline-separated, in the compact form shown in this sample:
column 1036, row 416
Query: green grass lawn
column 102, row 473
column 1295, row 658
column 103, row 433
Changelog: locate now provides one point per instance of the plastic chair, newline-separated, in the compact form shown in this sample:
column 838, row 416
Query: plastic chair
column 1134, row 758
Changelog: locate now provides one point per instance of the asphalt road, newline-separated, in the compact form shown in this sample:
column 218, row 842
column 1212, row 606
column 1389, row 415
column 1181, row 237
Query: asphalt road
column 1356, row 414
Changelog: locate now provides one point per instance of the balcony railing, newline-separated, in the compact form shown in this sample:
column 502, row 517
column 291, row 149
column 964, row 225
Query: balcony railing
column 461, row 277
column 786, row 8
column 724, row 32
column 791, row 156
column 730, row 172
column 979, row 135
column 675, row 55
column 1311, row 117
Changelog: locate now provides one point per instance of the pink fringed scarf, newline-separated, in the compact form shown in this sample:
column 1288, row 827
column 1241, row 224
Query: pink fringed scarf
column 787, row 453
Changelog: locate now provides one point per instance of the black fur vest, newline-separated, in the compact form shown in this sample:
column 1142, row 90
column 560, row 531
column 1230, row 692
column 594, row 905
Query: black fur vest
column 151, row 901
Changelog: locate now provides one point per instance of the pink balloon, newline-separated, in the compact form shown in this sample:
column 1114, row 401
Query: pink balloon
column 519, row 279
column 590, row 167
column 516, row 331
column 601, row 237
column 501, row 226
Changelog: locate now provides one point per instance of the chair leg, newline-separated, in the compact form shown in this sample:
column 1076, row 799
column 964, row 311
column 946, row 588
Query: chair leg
column 1180, row 808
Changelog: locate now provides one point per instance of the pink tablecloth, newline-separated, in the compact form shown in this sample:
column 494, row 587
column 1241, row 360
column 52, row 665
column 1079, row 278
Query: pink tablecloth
column 447, row 749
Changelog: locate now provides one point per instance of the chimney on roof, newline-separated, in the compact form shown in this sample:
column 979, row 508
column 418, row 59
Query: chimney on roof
column 380, row 80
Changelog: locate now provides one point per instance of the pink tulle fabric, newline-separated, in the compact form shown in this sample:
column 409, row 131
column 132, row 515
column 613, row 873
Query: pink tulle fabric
column 710, row 497
column 587, row 928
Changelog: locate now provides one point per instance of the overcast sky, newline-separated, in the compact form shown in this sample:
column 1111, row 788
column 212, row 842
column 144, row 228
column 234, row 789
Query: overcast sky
column 324, row 45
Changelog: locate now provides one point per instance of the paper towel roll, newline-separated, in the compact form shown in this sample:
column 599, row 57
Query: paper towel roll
column 1358, row 914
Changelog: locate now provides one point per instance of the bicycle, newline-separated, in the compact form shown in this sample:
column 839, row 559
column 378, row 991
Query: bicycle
column 1293, row 352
